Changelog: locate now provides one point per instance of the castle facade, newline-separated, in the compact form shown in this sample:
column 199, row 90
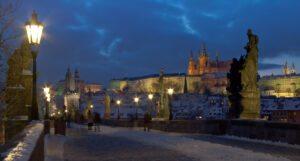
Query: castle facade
column 205, row 65
column 285, row 85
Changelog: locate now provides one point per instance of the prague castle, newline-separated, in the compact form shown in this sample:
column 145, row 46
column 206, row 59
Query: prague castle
column 204, row 65
column 203, row 77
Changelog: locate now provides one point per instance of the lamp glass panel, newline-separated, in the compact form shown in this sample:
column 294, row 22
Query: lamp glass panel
column 28, row 33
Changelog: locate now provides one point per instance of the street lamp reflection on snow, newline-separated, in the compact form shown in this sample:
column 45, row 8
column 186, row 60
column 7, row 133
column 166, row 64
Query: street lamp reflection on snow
column 118, row 102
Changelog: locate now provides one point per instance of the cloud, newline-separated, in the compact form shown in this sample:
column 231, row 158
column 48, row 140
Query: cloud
column 187, row 26
column 171, row 3
column 211, row 15
column 123, row 35
column 111, row 47
column 78, row 27
column 230, row 24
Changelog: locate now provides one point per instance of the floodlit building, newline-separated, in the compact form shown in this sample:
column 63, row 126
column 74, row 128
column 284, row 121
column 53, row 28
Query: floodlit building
column 286, row 85
column 205, row 65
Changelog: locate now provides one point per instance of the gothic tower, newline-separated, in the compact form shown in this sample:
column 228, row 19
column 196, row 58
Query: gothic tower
column 293, row 70
column 191, row 68
column 286, row 70
column 199, row 64
column 67, row 80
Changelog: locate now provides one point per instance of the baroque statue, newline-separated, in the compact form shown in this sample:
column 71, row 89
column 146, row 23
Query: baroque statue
column 250, row 92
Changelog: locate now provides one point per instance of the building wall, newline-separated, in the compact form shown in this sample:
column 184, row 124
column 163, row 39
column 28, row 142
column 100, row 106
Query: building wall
column 71, row 100
column 93, row 87
column 280, row 86
column 195, row 84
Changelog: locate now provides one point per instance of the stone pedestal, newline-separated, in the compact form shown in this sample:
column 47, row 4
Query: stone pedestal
column 60, row 127
column 251, row 105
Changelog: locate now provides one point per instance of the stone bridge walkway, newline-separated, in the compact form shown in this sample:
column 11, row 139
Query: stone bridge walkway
column 123, row 144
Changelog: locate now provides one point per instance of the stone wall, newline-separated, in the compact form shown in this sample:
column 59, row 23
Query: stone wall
column 38, row 152
column 274, row 131
column 214, row 83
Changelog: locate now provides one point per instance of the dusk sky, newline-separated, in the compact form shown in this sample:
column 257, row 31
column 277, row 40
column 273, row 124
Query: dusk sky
column 108, row 39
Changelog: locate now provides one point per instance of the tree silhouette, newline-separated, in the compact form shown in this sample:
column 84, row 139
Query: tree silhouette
column 234, row 87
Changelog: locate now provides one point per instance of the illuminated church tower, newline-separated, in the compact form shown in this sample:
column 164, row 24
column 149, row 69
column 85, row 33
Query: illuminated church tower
column 293, row 70
column 286, row 70
column 191, row 68
column 71, row 94
column 204, row 65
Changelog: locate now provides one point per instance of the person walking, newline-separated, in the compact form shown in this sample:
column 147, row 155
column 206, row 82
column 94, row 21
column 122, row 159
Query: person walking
column 90, row 120
column 68, row 120
column 147, row 120
column 97, row 121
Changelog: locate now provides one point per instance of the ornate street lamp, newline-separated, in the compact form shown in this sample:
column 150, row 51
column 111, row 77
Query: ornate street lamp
column 34, row 33
column 170, row 92
column 48, row 99
column 150, row 97
column 136, row 100
column 118, row 102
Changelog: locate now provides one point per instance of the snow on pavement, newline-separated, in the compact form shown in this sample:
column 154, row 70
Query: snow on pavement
column 54, row 147
column 197, row 149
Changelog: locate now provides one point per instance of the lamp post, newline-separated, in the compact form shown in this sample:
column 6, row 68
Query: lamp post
column 118, row 102
column 170, row 92
column 34, row 33
column 48, row 98
column 136, row 100
column 150, row 97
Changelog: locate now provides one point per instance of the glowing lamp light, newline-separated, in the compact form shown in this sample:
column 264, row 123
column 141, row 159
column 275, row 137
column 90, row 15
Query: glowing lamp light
column 48, row 99
column 46, row 90
column 170, row 91
column 150, row 96
column 92, row 106
column 34, row 30
column 118, row 102
column 58, row 112
column 66, row 111
column 136, row 99
column 48, row 95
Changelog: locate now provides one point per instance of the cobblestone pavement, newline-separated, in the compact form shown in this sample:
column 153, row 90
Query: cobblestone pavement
column 89, row 146
column 275, row 150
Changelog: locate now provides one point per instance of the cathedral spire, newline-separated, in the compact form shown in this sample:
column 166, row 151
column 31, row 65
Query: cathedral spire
column 76, row 73
column 203, row 49
column 286, row 70
column 68, row 69
column 191, row 64
column 293, row 70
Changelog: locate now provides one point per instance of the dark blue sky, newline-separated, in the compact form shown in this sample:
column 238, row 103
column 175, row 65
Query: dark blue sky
column 108, row 39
